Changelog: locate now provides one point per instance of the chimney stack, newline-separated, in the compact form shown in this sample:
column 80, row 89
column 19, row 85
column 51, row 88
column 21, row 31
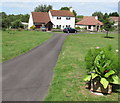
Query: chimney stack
column 71, row 9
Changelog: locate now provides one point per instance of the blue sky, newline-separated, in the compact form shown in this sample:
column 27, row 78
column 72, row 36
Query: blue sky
column 82, row 8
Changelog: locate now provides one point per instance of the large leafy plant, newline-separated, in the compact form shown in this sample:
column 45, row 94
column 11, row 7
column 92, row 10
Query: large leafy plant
column 102, row 65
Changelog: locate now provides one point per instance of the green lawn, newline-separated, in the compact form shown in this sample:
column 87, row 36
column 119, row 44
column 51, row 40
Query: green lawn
column 18, row 42
column 67, row 83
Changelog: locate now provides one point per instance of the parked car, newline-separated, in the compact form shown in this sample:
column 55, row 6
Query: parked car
column 69, row 30
column 43, row 28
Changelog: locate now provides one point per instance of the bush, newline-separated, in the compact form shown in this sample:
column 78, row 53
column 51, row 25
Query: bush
column 16, row 24
column 109, row 56
column 77, row 28
column 33, row 27
column 102, row 64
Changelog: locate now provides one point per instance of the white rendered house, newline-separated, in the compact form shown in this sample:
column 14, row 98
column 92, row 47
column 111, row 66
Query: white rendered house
column 62, row 18
column 54, row 18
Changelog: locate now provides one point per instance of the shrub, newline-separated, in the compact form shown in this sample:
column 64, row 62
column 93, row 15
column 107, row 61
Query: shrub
column 77, row 28
column 33, row 27
column 109, row 55
column 102, row 64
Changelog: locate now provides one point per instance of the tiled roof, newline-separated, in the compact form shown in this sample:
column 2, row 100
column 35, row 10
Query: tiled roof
column 115, row 18
column 61, row 13
column 89, row 20
column 40, row 17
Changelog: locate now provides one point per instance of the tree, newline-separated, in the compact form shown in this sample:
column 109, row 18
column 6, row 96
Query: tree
column 99, row 14
column 65, row 8
column 115, row 14
column 43, row 8
column 16, row 24
column 108, row 26
column 25, row 18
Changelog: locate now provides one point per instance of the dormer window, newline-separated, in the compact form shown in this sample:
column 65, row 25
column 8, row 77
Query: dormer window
column 67, row 18
column 58, row 18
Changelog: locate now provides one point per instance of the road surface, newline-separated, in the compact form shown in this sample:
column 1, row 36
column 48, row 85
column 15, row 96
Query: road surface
column 27, row 77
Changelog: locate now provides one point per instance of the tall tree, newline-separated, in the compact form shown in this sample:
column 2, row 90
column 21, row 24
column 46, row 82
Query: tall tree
column 108, row 26
column 65, row 8
column 16, row 24
column 43, row 8
column 115, row 14
column 99, row 14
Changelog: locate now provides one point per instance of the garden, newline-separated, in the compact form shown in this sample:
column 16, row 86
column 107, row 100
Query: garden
column 86, row 58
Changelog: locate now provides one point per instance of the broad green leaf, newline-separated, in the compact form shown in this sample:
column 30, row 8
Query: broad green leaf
column 97, row 70
column 109, row 73
column 87, row 78
column 115, row 79
column 94, row 75
column 104, row 82
column 107, row 63
column 102, row 69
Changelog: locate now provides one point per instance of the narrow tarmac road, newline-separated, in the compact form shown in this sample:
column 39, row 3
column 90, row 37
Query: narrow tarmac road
column 27, row 77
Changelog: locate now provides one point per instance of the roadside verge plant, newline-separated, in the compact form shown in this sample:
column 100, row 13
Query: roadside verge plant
column 102, row 64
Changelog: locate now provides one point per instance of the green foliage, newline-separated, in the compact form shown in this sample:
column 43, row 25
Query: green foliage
column 43, row 8
column 65, row 8
column 7, row 20
column 33, row 27
column 114, row 14
column 103, row 64
column 79, row 16
column 99, row 14
column 77, row 28
column 16, row 24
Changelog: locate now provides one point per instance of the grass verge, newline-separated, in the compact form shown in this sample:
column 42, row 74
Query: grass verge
column 18, row 42
column 67, row 83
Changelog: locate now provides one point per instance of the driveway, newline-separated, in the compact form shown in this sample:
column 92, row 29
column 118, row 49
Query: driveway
column 27, row 77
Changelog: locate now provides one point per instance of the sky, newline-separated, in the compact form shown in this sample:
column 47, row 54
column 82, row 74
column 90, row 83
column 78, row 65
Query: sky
column 85, row 8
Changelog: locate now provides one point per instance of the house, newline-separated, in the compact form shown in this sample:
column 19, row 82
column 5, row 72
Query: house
column 40, row 19
column 91, row 23
column 62, row 18
column 53, row 18
column 116, row 21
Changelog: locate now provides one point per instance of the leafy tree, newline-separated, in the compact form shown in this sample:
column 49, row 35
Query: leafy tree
column 25, row 18
column 65, row 8
column 16, row 24
column 99, row 14
column 105, row 16
column 115, row 14
column 108, row 26
column 43, row 8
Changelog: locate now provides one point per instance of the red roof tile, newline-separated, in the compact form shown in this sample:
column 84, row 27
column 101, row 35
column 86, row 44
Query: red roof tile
column 40, row 17
column 89, row 20
column 61, row 13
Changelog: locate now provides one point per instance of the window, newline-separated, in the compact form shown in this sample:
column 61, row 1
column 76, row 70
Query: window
column 58, row 26
column 67, row 18
column 67, row 25
column 58, row 18
column 89, row 27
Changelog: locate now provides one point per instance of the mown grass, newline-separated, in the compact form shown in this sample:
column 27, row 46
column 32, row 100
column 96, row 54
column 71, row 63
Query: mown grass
column 18, row 42
column 67, row 83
